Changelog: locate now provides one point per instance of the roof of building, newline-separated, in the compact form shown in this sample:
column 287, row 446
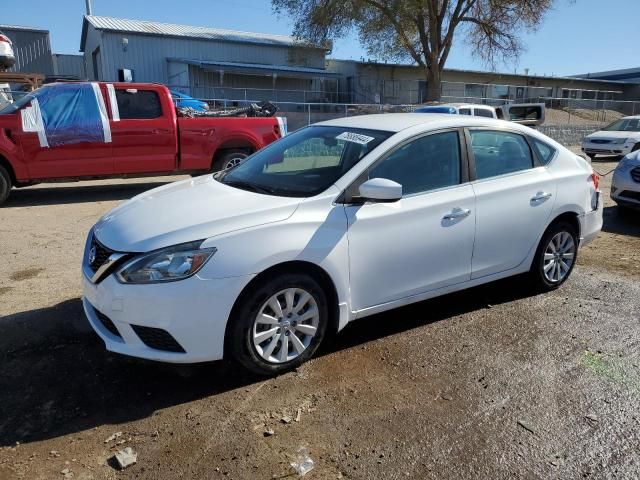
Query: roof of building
column 623, row 75
column 22, row 28
column 496, row 74
column 258, row 67
column 145, row 27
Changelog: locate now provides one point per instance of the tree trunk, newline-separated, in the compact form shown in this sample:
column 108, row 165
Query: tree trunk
column 434, row 83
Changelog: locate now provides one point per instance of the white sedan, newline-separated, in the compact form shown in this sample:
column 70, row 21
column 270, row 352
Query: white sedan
column 333, row 223
column 625, row 184
column 618, row 138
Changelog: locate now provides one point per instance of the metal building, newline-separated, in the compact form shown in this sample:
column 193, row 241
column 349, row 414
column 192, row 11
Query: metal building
column 203, row 62
column 65, row 65
column 31, row 47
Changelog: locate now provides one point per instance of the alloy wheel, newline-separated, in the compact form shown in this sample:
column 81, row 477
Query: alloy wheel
column 559, row 257
column 285, row 325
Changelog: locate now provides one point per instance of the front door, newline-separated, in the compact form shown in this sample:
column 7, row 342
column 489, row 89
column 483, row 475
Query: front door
column 514, row 200
column 73, row 142
column 423, row 241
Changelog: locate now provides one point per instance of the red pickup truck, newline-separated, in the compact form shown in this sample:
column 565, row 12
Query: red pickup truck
column 76, row 131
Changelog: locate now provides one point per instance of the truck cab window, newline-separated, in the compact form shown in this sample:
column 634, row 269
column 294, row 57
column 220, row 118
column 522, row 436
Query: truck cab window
column 138, row 104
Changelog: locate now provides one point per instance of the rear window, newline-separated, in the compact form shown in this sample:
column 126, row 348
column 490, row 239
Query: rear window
column 138, row 104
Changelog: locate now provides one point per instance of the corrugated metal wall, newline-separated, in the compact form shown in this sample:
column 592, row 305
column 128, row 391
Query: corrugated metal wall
column 69, row 65
column 32, row 50
column 147, row 55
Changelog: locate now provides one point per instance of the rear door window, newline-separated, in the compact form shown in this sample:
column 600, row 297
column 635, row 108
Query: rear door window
column 499, row 153
column 464, row 111
column 545, row 152
column 135, row 104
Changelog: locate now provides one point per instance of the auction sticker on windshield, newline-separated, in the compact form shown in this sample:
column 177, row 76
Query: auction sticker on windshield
column 355, row 138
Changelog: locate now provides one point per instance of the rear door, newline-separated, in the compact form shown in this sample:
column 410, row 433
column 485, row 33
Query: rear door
column 143, row 130
column 514, row 199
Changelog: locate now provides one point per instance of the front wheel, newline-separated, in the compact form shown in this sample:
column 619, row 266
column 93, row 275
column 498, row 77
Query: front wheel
column 5, row 184
column 279, row 325
column 555, row 257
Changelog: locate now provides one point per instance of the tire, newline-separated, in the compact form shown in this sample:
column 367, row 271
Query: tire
column 636, row 147
column 230, row 159
column 5, row 184
column 592, row 156
column 561, row 234
column 264, row 354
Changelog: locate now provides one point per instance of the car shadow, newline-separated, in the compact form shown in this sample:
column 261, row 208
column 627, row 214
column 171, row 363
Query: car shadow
column 621, row 221
column 56, row 378
column 58, row 195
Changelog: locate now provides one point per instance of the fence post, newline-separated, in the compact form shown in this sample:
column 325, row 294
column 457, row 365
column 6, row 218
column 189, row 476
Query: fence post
column 346, row 110
column 309, row 118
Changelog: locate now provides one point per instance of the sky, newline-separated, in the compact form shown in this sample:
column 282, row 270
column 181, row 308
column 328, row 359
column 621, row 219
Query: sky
column 576, row 36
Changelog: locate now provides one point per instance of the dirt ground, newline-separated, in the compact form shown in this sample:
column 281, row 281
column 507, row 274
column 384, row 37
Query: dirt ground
column 490, row 383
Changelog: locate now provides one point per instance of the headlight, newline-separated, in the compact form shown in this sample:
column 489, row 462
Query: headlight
column 167, row 264
column 626, row 164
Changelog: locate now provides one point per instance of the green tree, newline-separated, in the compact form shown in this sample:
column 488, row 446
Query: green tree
column 419, row 30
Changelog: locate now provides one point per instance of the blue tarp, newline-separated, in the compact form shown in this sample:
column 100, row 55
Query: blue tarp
column 73, row 113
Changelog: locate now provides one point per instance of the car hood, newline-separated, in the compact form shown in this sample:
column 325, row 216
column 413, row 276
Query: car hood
column 612, row 134
column 185, row 211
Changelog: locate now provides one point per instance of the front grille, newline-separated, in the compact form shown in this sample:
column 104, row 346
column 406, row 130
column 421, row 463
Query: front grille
column 630, row 194
column 635, row 174
column 102, row 254
column 157, row 339
column 107, row 323
column 600, row 140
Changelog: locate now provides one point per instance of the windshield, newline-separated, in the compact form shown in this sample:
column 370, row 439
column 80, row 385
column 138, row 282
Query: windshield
column 19, row 103
column 304, row 163
column 624, row 125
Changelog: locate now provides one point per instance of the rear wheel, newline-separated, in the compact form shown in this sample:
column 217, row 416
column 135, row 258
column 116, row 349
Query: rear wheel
column 591, row 156
column 555, row 257
column 230, row 159
column 279, row 325
column 5, row 184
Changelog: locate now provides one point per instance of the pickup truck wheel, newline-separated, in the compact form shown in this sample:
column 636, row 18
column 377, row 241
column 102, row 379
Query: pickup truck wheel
column 279, row 324
column 5, row 184
column 230, row 159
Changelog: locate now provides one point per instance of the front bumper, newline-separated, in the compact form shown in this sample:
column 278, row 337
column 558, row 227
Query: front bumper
column 194, row 312
column 624, row 191
column 607, row 148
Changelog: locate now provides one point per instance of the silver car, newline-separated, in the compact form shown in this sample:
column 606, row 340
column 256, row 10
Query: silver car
column 625, row 186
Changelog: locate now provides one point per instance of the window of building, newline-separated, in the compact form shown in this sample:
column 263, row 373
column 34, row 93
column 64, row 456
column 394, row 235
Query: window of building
column 425, row 164
column 498, row 153
column 138, row 104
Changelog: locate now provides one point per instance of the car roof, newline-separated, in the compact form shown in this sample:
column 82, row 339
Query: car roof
column 396, row 122
column 630, row 117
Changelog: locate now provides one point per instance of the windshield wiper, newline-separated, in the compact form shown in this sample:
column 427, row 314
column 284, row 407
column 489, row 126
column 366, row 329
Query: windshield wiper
column 251, row 187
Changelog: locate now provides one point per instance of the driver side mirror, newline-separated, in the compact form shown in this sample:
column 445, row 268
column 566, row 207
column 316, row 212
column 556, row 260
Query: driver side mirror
column 380, row 190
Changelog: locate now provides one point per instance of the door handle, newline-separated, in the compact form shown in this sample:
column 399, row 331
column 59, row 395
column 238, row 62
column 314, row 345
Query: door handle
column 538, row 197
column 457, row 213
column 160, row 131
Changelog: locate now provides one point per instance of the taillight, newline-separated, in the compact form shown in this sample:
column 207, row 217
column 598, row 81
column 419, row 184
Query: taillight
column 595, row 179
column 4, row 39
